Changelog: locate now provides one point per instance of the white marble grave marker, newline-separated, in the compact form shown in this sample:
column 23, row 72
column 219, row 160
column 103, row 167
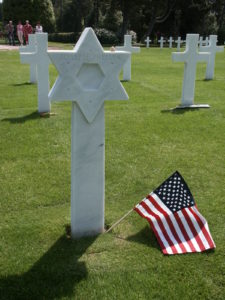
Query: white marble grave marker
column 129, row 48
column 200, row 41
column 205, row 42
column 170, row 40
column 41, row 59
column 179, row 41
column 147, row 42
column 212, row 48
column 88, row 76
column 31, row 48
column 161, row 41
column 190, row 57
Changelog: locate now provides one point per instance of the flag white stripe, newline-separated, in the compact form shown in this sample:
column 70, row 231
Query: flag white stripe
column 188, row 230
column 153, row 219
column 165, row 224
column 173, row 220
column 161, row 204
column 198, row 229
column 180, row 234
column 204, row 222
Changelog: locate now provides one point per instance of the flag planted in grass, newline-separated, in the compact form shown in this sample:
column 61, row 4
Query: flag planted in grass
column 175, row 219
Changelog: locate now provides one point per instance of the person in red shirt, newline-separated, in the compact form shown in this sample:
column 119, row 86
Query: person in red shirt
column 27, row 29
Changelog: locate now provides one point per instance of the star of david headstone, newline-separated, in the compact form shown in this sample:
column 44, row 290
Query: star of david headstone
column 88, row 76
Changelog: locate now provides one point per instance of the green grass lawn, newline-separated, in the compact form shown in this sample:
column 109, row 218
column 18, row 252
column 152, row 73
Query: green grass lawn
column 145, row 143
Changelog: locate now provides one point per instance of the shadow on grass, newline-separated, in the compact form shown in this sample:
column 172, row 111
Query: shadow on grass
column 179, row 111
column 54, row 276
column 23, row 119
column 145, row 236
column 22, row 84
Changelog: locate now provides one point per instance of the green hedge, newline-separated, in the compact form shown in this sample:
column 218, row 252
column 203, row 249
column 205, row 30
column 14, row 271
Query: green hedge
column 105, row 37
column 221, row 36
column 63, row 37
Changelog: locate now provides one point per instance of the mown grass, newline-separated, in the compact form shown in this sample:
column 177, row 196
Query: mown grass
column 145, row 143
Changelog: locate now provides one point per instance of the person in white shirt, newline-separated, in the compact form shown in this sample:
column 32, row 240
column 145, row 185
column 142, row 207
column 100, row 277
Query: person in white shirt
column 38, row 28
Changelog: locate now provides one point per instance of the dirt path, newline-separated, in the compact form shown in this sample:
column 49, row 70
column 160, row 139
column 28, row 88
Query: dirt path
column 8, row 47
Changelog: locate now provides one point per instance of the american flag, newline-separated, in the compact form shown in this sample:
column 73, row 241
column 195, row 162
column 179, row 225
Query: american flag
column 175, row 219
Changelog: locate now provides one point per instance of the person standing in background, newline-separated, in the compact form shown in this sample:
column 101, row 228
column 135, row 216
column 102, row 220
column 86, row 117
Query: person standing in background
column 27, row 29
column 10, row 33
column 38, row 28
column 19, row 30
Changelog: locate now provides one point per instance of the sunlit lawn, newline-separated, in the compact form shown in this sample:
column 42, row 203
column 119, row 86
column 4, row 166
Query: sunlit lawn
column 145, row 143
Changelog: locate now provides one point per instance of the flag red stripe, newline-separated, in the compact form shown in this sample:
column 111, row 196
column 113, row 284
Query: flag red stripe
column 202, row 226
column 153, row 228
column 193, row 230
column 163, row 229
column 170, row 224
column 184, row 232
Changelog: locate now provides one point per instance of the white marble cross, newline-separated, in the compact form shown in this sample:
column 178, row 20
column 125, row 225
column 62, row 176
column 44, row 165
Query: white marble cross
column 212, row 48
column 179, row 41
column 147, row 41
column 205, row 42
column 88, row 76
column 200, row 41
column 161, row 41
column 190, row 57
column 170, row 40
column 129, row 48
column 40, row 57
column 31, row 47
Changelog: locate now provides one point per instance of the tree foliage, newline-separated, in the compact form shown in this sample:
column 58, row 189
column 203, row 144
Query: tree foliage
column 32, row 10
column 145, row 17
column 0, row 12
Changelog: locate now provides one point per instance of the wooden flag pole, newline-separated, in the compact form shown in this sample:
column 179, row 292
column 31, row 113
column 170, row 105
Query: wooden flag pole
column 120, row 220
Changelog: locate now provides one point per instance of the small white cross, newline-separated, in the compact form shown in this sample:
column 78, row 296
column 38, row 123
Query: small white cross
column 190, row 57
column 212, row 48
column 170, row 40
column 41, row 59
column 147, row 41
column 31, row 48
column 161, row 41
column 205, row 42
column 129, row 48
column 179, row 41
column 200, row 41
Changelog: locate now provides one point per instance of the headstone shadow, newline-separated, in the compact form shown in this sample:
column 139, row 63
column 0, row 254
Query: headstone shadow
column 179, row 111
column 21, row 84
column 145, row 236
column 54, row 276
column 23, row 119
